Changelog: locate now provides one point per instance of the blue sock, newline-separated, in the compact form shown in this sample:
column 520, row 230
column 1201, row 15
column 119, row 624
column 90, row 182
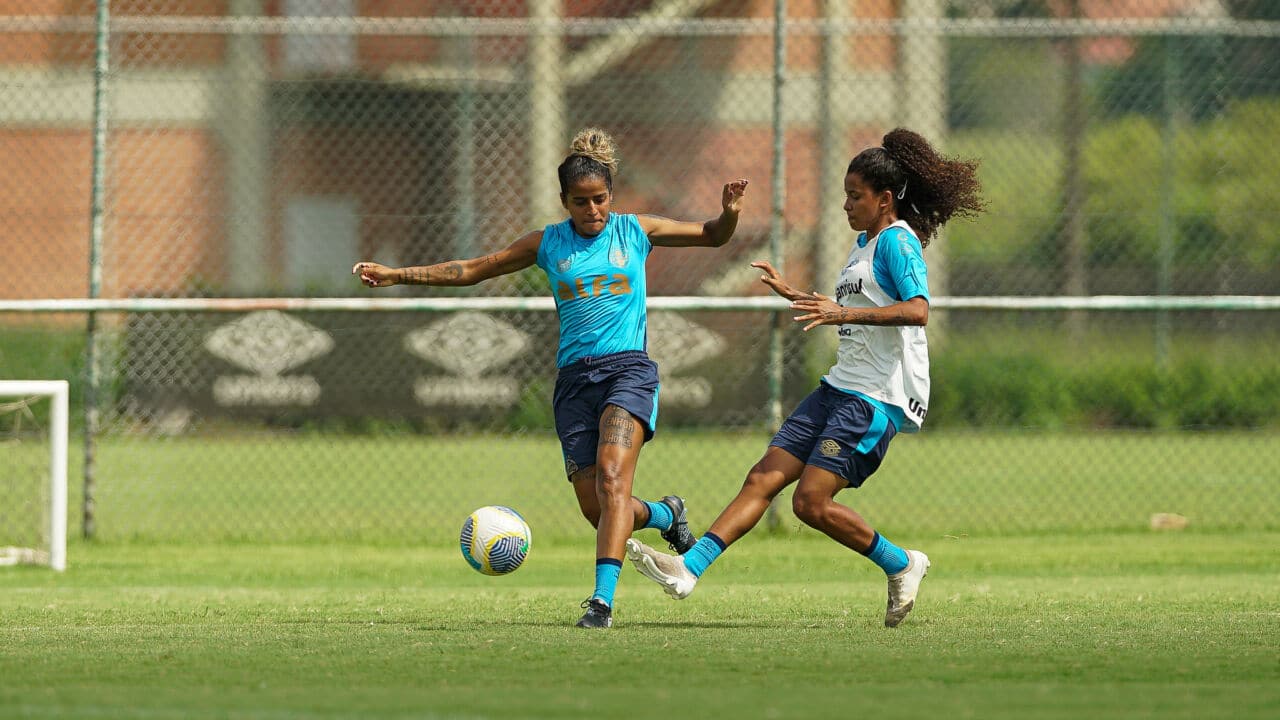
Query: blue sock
column 703, row 553
column 607, row 571
column 660, row 517
column 891, row 558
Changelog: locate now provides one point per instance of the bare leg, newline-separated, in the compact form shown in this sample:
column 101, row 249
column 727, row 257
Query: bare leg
column 814, row 503
column 776, row 470
column 584, row 487
column 621, row 437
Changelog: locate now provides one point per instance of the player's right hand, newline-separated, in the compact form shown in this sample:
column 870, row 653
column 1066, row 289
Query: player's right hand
column 774, row 280
column 375, row 275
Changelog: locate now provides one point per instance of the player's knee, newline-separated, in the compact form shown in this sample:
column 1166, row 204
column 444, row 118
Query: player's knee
column 810, row 508
column 612, row 485
column 761, row 484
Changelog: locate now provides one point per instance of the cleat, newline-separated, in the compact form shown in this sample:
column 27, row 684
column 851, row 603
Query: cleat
column 678, row 536
column 666, row 570
column 598, row 614
column 904, row 586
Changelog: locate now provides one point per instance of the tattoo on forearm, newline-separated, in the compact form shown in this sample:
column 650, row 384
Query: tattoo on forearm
column 857, row 316
column 619, row 427
column 433, row 274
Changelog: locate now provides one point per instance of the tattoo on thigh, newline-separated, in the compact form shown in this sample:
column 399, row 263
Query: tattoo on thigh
column 619, row 427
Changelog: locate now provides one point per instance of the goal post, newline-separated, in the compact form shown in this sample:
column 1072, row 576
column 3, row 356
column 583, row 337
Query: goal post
column 52, row 534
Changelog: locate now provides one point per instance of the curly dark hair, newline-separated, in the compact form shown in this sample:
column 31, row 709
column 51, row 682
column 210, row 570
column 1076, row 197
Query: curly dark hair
column 928, row 188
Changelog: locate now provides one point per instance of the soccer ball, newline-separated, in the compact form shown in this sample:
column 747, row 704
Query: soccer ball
column 495, row 540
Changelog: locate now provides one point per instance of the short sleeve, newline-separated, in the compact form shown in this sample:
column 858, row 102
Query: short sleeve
column 899, row 265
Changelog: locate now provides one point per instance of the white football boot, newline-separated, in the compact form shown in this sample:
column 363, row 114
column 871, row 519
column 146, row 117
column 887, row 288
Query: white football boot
column 666, row 570
column 903, row 587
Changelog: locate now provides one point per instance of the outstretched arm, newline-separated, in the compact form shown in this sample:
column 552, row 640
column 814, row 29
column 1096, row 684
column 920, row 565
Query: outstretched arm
column 664, row 232
column 515, row 257
column 818, row 309
column 822, row 310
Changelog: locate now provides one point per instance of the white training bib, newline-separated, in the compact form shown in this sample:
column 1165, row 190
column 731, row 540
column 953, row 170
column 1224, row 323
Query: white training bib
column 888, row 363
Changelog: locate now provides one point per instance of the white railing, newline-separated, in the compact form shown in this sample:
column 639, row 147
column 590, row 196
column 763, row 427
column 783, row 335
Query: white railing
column 544, row 303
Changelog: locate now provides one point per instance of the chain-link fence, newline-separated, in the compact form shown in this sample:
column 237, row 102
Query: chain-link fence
column 257, row 149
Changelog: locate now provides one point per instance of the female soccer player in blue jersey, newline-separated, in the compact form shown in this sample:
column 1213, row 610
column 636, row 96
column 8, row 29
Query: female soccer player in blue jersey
column 606, row 393
column 896, row 197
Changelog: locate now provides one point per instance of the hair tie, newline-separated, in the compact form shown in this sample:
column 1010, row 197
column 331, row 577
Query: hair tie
column 903, row 192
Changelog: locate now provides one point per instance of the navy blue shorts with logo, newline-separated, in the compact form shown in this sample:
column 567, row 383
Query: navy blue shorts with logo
column 839, row 432
column 583, row 389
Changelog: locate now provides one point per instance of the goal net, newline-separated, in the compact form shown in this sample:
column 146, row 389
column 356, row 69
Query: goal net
column 33, row 473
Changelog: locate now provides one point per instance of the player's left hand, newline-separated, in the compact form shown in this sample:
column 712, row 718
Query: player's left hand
column 731, row 198
column 818, row 310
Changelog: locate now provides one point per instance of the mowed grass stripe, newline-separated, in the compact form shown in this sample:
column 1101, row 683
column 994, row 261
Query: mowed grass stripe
column 290, row 487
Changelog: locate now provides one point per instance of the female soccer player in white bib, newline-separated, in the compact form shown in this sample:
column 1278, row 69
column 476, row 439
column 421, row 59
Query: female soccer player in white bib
column 896, row 198
column 606, row 393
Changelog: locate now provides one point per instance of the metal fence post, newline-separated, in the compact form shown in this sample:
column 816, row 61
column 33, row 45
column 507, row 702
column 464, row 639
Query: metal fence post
column 102, row 37
column 777, row 225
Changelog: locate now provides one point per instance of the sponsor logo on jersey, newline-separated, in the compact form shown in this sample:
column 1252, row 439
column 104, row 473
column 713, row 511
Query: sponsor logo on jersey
column 845, row 289
column 593, row 286
column 564, row 264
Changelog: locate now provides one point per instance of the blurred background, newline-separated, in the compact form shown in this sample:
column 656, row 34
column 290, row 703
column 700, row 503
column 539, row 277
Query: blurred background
column 154, row 149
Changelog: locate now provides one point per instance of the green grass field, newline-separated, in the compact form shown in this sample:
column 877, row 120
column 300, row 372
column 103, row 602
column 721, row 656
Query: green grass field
column 1141, row 625
column 288, row 575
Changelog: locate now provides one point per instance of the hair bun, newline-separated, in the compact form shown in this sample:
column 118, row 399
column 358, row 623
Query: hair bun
column 594, row 143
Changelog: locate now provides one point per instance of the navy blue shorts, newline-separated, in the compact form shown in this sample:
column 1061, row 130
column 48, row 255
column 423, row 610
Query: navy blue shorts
column 583, row 389
column 839, row 432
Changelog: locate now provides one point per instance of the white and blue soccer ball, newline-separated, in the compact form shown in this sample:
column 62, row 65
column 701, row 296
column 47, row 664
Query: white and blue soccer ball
column 495, row 540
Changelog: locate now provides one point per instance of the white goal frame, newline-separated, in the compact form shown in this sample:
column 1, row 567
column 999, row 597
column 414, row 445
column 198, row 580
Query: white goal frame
column 57, row 391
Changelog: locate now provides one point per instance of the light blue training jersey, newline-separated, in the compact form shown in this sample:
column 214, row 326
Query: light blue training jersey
column 599, row 286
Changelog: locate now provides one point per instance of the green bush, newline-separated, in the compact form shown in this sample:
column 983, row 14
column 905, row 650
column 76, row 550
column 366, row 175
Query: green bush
column 1123, row 394
column 1029, row 390
column 1008, row 391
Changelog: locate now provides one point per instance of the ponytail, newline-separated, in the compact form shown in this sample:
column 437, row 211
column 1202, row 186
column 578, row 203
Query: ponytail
column 928, row 188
